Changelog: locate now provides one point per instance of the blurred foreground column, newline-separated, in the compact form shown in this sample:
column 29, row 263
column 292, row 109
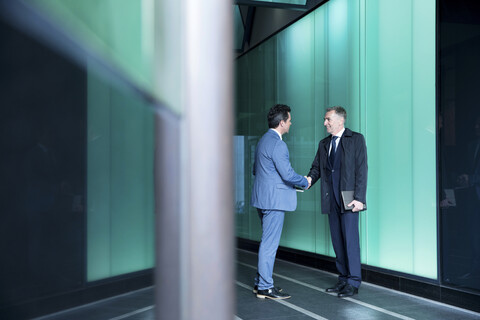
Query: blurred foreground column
column 194, row 188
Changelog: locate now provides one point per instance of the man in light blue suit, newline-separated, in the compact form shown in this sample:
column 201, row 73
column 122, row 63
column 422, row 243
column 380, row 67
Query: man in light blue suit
column 273, row 193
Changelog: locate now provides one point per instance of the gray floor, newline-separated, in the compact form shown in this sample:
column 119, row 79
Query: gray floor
column 309, row 300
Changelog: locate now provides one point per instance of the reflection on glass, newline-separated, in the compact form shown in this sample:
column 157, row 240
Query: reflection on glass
column 238, row 28
column 42, row 169
column 239, row 150
column 459, row 150
column 120, row 203
column 76, row 173
column 297, row 2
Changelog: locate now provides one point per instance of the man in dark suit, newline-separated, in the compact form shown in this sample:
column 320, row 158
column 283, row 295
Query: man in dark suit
column 341, row 162
column 273, row 193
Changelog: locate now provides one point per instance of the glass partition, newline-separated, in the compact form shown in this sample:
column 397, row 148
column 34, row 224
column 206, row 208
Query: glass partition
column 43, row 167
column 77, row 166
column 119, row 142
column 459, row 141
column 378, row 61
column 120, row 197
column 121, row 32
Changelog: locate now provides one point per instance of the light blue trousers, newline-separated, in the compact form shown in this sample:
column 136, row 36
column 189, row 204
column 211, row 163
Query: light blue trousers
column 272, row 224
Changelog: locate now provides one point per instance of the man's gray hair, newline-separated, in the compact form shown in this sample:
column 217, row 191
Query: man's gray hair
column 339, row 111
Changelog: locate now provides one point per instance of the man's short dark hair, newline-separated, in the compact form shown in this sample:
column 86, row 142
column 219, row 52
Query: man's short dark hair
column 340, row 111
column 276, row 114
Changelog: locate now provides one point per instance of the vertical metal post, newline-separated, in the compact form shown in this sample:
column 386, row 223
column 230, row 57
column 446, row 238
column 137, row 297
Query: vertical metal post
column 195, row 238
column 210, row 137
column 167, row 217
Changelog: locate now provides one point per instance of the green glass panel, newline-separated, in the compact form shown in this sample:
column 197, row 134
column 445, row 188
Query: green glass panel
column 400, row 77
column 120, row 236
column 295, row 87
column 120, row 31
column 120, row 200
column 98, row 181
column 238, row 28
column 377, row 59
column 300, row 2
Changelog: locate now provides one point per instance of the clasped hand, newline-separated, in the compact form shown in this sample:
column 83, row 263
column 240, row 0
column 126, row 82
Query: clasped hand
column 309, row 179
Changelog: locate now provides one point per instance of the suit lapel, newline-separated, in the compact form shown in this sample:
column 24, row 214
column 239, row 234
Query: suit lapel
column 326, row 147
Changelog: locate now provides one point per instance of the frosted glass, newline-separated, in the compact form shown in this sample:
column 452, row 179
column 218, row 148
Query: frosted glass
column 377, row 59
column 119, row 31
column 295, row 56
column 120, row 203
column 120, row 206
column 400, row 77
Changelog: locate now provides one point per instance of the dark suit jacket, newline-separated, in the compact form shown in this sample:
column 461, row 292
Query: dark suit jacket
column 354, row 168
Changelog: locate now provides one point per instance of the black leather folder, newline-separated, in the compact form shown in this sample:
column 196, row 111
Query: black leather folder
column 347, row 197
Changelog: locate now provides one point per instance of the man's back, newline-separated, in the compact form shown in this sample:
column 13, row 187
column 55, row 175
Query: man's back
column 274, row 176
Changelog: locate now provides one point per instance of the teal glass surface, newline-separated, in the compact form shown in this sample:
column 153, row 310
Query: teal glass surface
column 120, row 32
column 120, row 201
column 120, row 198
column 377, row 59
column 238, row 27
column 401, row 67
column 301, row 2
column 295, row 87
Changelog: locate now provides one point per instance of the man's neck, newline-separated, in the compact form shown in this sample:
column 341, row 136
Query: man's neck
column 278, row 131
column 339, row 132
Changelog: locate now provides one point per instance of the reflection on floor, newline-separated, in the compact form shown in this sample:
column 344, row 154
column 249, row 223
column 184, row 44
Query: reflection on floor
column 309, row 300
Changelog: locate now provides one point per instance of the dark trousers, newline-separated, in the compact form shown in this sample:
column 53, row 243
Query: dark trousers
column 346, row 243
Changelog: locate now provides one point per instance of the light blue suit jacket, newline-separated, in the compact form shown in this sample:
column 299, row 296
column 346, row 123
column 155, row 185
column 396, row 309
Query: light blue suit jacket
column 275, row 178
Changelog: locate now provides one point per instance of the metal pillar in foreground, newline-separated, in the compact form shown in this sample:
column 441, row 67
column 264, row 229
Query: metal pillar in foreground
column 194, row 186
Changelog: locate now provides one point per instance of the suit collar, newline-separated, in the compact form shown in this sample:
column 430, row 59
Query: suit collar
column 278, row 133
column 348, row 133
column 327, row 139
column 273, row 134
column 340, row 133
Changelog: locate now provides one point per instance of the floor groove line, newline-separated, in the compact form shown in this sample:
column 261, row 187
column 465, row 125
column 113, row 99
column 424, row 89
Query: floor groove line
column 367, row 305
column 288, row 304
column 442, row 304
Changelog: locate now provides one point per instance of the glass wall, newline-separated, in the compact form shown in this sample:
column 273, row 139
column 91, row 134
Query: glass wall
column 459, row 141
column 120, row 128
column 121, row 32
column 377, row 59
column 120, row 198
column 77, row 153
column 43, row 166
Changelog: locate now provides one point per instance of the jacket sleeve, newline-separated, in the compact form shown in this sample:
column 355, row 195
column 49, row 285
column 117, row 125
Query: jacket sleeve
column 281, row 161
column 315, row 171
column 361, row 169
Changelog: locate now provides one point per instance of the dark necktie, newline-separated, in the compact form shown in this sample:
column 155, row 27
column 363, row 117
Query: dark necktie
column 333, row 150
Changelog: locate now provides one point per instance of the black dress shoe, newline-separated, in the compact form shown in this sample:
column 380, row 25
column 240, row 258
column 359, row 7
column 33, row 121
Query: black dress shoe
column 272, row 293
column 255, row 289
column 338, row 287
column 348, row 291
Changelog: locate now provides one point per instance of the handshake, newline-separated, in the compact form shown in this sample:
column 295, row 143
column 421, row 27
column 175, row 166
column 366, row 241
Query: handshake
column 309, row 179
